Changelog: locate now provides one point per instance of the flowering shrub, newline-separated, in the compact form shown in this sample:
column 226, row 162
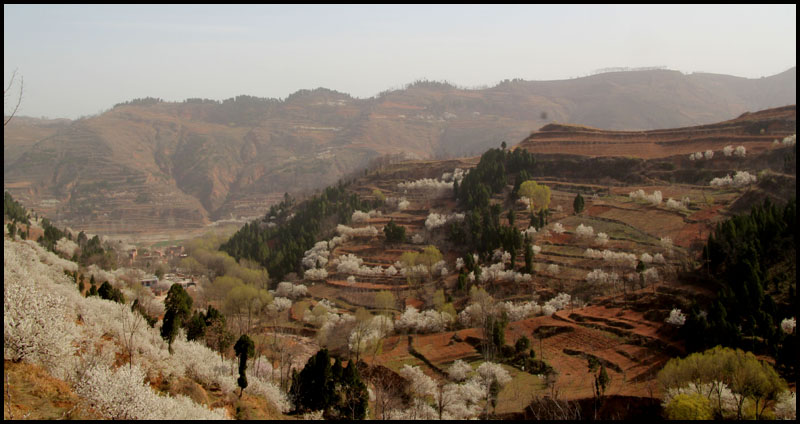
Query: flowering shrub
column 67, row 247
column 403, row 204
column 654, row 198
column 459, row 370
column 788, row 325
column 740, row 179
column 520, row 310
column 436, row 220
column 359, row 216
column 740, row 152
column 598, row 276
column 728, row 151
column 344, row 230
column 124, row 395
column 676, row 317
column 36, row 323
column 429, row 321
column 558, row 228
column 292, row 291
column 316, row 274
column 601, row 239
column 584, row 231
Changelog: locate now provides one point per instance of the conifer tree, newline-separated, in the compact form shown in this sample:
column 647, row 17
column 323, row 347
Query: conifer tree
column 244, row 348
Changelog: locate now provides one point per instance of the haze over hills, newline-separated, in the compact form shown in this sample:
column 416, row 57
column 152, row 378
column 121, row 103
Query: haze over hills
column 148, row 166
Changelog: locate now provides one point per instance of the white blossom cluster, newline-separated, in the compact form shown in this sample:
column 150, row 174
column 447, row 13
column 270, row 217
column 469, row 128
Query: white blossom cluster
column 700, row 155
column 368, row 231
column 500, row 255
column 123, row 394
column 646, row 258
column 601, row 239
column 786, row 406
column 459, row 263
column 676, row 317
column 418, row 238
column 322, row 312
column 429, row 321
column 740, row 152
column 51, row 258
column 524, row 200
column 436, row 220
column 598, row 276
column 674, row 204
column 788, row 325
column 352, row 264
column 279, row 304
column 552, row 269
column 369, row 332
column 459, row 400
column 650, row 275
column 84, row 355
column 788, row 141
column 558, row 228
column 290, row 290
column 654, row 198
column 359, row 216
column 528, row 232
column 497, row 272
column 316, row 258
column 429, row 184
column 584, row 231
column 316, row 274
column 556, row 304
column 67, row 247
column 740, row 179
column 459, row 370
column 659, row 259
column 36, row 325
column 519, row 310
column 458, row 174
column 616, row 258
column 728, row 151
column 666, row 242
column 403, row 204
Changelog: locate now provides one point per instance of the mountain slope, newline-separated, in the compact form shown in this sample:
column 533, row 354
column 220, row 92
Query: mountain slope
column 148, row 165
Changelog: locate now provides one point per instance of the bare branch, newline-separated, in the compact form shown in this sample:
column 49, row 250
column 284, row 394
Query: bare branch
column 6, row 94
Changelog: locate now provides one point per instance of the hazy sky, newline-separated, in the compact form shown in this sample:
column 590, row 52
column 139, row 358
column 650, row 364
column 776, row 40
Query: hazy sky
column 82, row 59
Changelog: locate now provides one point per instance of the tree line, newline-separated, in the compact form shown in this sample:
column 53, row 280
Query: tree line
column 750, row 260
column 280, row 248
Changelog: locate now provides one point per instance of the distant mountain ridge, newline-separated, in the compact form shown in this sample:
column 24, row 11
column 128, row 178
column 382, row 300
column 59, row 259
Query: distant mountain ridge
column 151, row 165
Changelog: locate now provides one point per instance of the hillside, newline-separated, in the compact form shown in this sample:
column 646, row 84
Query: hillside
column 149, row 166
column 656, row 213
column 456, row 291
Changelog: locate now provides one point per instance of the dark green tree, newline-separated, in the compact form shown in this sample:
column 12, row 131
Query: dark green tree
column 578, row 204
column 394, row 233
column 313, row 387
column 244, row 348
column 196, row 327
column 178, row 306
column 354, row 395
column 522, row 345
column 528, row 249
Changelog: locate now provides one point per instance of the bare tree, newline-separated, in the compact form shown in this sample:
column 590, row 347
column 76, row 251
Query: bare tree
column 131, row 322
column 7, row 93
